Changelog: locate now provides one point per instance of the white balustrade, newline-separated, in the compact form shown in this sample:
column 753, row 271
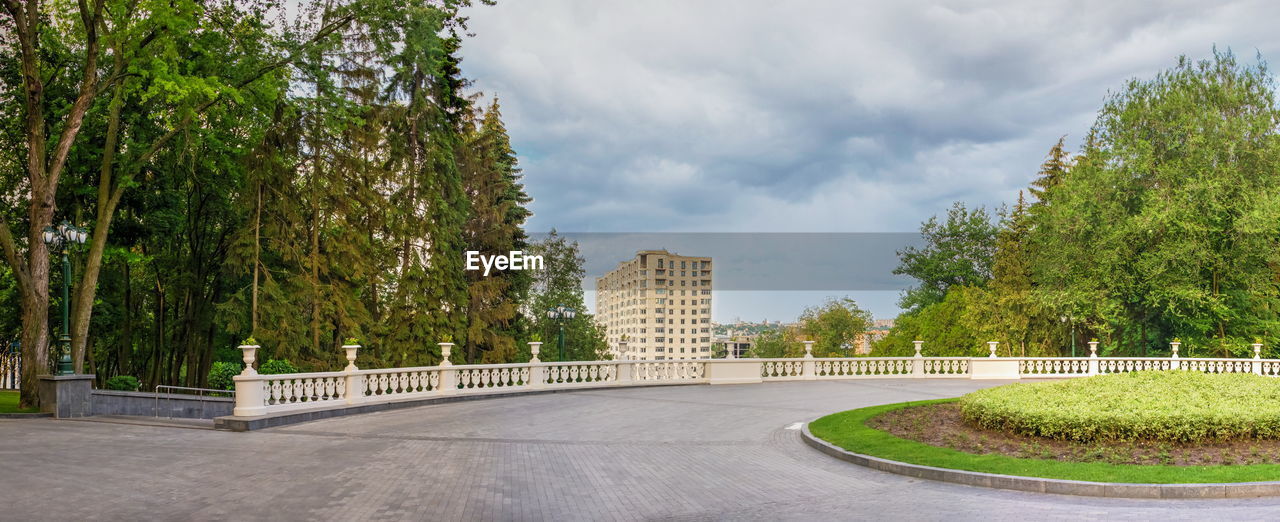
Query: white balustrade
column 583, row 373
column 399, row 383
column 946, row 367
column 1053, row 366
column 491, row 376
column 303, row 390
column 1133, row 364
column 838, row 368
column 258, row 394
column 679, row 371
column 781, row 369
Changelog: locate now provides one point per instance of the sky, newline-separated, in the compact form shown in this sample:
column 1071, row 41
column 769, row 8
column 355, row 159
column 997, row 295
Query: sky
column 749, row 117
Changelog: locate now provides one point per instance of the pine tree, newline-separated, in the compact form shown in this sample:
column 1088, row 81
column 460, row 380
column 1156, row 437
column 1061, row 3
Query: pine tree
column 495, row 227
column 1052, row 172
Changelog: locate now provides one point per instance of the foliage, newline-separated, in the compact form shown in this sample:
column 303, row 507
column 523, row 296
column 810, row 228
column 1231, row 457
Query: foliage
column 297, row 176
column 947, row 329
column 848, row 430
column 1167, row 225
column 560, row 283
column 1177, row 406
column 277, row 366
column 1006, row 309
column 833, row 325
column 220, row 375
column 1163, row 225
column 777, row 343
column 122, row 383
column 492, row 180
column 957, row 252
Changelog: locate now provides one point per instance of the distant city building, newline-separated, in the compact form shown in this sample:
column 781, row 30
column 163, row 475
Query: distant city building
column 742, row 335
column 659, row 304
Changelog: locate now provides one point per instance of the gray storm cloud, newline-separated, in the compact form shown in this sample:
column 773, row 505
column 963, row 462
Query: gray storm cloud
column 745, row 116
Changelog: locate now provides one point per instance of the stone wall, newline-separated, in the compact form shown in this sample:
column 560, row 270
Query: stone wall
column 111, row 402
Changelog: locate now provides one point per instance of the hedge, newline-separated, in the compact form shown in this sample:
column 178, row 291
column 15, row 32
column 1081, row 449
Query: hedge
column 1174, row 406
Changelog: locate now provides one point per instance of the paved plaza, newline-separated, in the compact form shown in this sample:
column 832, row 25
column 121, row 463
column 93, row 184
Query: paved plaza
column 678, row 452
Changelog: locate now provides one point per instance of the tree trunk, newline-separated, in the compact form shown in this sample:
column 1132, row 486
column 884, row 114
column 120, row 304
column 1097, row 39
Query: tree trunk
column 257, row 263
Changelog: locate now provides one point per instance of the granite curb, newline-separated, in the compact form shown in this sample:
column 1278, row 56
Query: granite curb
column 1046, row 485
column 26, row 415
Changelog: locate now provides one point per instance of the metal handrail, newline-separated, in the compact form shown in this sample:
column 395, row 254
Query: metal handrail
column 156, row 409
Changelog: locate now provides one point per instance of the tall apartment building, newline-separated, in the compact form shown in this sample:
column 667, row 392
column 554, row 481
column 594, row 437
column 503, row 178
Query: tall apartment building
column 659, row 303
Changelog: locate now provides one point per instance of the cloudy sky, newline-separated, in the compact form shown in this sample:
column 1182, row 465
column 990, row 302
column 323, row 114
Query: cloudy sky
column 737, row 116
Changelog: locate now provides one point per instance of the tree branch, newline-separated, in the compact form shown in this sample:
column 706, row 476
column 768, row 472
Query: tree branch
column 10, row 248
column 88, row 89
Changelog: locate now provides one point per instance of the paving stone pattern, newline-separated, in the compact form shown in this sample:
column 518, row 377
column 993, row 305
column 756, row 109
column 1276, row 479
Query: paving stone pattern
column 664, row 453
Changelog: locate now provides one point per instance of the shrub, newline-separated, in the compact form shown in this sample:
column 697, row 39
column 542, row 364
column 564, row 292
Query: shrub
column 1178, row 406
column 123, row 383
column 220, row 375
column 277, row 366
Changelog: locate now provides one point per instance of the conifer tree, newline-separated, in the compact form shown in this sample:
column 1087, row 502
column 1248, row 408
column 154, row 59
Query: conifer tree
column 1052, row 172
column 495, row 226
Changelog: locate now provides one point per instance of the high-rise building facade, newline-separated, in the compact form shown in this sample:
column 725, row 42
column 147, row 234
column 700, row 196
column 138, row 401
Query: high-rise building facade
column 659, row 305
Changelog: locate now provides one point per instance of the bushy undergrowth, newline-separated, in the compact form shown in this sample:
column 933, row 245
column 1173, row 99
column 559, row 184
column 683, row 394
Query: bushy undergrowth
column 276, row 367
column 122, row 383
column 1177, row 406
column 221, row 373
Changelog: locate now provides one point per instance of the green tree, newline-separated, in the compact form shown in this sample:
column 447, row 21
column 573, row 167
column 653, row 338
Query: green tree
column 1167, row 225
column 1007, row 310
column 560, row 283
column 957, row 252
column 834, row 324
column 495, row 226
column 1055, row 168
column 945, row 327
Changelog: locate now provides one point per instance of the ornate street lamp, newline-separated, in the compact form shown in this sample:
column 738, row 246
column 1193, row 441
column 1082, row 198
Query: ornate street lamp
column 60, row 239
column 559, row 314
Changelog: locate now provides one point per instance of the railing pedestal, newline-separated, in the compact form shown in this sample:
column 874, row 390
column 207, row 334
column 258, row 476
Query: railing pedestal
column 993, row 368
column 917, row 361
column 734, row 371
column 1093, row 357
column 537, row 373
column 251, row 398
column 355, row 382
column 448, row 376
column 626, row 373
column 809, row 368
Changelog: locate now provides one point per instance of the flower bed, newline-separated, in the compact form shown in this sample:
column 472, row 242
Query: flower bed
column 1174, row 406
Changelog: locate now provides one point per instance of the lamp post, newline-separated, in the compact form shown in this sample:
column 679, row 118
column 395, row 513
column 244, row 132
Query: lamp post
column 60, row 239
column 559, row 314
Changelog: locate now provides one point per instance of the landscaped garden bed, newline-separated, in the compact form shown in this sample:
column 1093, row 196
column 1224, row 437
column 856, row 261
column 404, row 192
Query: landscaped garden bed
column 1145, row 427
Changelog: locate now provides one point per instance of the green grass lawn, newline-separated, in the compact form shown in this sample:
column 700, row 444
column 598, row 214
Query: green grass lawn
column 9, row 403
column 848, row 430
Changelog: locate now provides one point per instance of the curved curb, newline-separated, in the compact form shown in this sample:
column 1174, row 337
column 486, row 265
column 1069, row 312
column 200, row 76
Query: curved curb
column 1046, row 485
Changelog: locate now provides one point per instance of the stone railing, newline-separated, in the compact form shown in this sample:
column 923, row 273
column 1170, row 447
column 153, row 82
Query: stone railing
column 258, row 395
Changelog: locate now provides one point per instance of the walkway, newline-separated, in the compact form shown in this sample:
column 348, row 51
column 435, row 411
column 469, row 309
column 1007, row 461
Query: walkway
column 682, row 452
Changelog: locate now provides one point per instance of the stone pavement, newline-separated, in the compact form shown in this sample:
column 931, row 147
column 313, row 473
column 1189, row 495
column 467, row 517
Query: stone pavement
column 680, row 452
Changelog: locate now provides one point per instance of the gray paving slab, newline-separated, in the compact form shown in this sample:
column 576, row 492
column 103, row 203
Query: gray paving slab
column 676, row 453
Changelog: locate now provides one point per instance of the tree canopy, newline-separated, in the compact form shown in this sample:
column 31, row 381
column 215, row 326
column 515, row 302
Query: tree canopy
column 1165, row 224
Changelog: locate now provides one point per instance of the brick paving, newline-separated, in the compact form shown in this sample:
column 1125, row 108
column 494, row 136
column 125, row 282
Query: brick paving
column 667, row 453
